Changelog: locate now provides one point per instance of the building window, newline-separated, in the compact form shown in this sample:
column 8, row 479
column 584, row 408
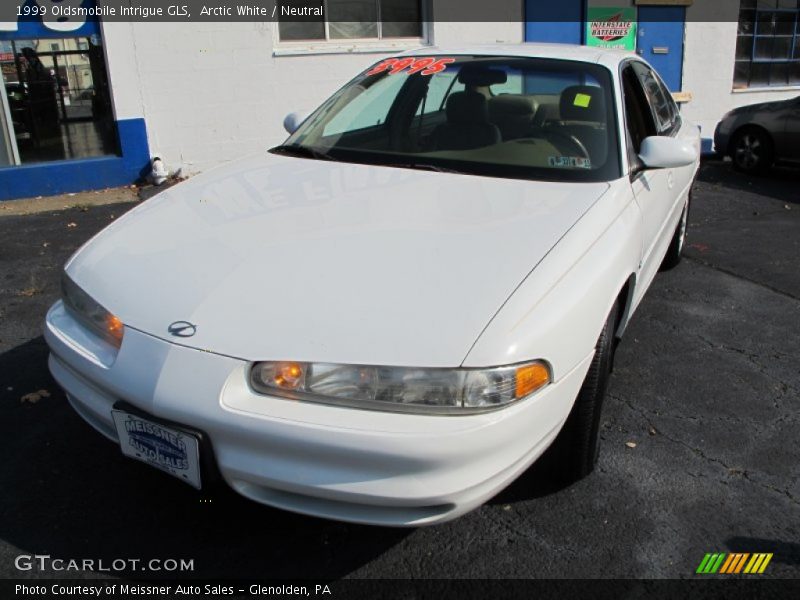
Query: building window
column 356, row 20
column 58, row 100
column 768, row 44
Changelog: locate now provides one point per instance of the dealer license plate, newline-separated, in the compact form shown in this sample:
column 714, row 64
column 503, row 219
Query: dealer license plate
column 170, row 450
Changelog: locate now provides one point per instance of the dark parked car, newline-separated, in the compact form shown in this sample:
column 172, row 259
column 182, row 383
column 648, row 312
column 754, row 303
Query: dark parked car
column 758, row 135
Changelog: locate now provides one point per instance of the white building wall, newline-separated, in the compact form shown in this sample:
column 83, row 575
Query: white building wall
column 211, row 92
column 123, row 70
column 709, row 53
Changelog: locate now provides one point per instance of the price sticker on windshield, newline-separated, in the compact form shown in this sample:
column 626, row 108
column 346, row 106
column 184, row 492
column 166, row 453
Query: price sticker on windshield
column 427, row 65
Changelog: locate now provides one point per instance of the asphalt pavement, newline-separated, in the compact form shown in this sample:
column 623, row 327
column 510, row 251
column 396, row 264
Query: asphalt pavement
column 699, row 434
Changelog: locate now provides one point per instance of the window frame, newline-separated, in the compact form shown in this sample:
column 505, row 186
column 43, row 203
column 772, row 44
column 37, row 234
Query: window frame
column 354, row 45
column 753, row 60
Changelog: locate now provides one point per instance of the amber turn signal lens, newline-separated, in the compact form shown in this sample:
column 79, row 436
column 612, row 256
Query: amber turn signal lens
column 288, row 375
column 114, row 327
column 530, row 378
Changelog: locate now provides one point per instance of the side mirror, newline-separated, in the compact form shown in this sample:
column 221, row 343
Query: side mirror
column 293, row 121
column 666, row 152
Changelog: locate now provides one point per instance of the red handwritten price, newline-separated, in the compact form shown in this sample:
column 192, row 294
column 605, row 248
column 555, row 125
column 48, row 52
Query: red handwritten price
column 427, row 65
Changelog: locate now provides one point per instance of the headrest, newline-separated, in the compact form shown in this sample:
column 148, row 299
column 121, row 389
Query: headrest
column 582, row 103
column 481, row 76
column 466, row 107
column 511, row 105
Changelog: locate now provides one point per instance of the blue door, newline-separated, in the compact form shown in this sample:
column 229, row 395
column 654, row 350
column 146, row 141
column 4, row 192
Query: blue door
column 557, row 21
column 660, row 41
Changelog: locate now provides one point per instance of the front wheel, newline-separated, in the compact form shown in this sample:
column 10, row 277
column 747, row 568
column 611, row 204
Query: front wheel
column 675, row 250
column 574, row 453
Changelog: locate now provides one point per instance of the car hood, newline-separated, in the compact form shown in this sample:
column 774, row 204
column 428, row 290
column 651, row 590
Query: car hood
column 282, row 258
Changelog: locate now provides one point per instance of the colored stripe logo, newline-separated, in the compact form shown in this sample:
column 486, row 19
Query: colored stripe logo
column 734, row 563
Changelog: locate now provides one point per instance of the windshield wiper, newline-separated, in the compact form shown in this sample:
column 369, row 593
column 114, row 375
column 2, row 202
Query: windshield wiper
column 425, row 167
column 308, row 152
column 304, row 151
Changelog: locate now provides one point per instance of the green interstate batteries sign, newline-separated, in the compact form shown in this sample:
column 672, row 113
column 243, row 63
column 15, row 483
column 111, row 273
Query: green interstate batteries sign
column 610, row 27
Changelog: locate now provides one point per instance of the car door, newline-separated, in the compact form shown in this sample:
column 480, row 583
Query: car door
column 652, row 188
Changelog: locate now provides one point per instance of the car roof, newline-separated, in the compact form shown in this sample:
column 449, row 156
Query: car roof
column 605, row 56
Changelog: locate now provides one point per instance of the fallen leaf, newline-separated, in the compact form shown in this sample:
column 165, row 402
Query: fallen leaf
column 34, row 397
column 630, row 444
column 71, row 225
column 28, row 292
column 652, row 431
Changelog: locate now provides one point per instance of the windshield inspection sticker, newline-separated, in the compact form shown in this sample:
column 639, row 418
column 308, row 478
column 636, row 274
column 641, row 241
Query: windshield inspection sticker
column 570, row 162
column 582, row 100
column 427, row 65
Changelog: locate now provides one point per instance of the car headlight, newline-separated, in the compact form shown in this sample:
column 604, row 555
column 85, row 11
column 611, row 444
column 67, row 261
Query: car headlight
column 89, row 312
column 442, row 391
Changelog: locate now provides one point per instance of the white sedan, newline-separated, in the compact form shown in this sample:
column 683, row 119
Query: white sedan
column 389, row 317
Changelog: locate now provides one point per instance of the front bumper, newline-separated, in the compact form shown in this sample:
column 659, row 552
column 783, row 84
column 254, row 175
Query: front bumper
column 345, row 464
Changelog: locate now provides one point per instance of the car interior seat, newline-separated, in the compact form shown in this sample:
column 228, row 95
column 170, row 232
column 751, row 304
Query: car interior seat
column 582, row 114
column 467, row 125
column 513, row 114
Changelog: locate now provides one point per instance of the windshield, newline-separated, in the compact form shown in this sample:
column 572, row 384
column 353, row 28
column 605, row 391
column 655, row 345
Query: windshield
column 525, row 118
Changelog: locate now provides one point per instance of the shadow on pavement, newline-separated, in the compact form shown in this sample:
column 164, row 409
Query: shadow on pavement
column 780, row 183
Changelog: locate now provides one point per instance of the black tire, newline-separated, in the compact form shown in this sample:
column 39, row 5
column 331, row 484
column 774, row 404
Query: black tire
column 675, row 251
column 574, row 453
column 752, row 151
